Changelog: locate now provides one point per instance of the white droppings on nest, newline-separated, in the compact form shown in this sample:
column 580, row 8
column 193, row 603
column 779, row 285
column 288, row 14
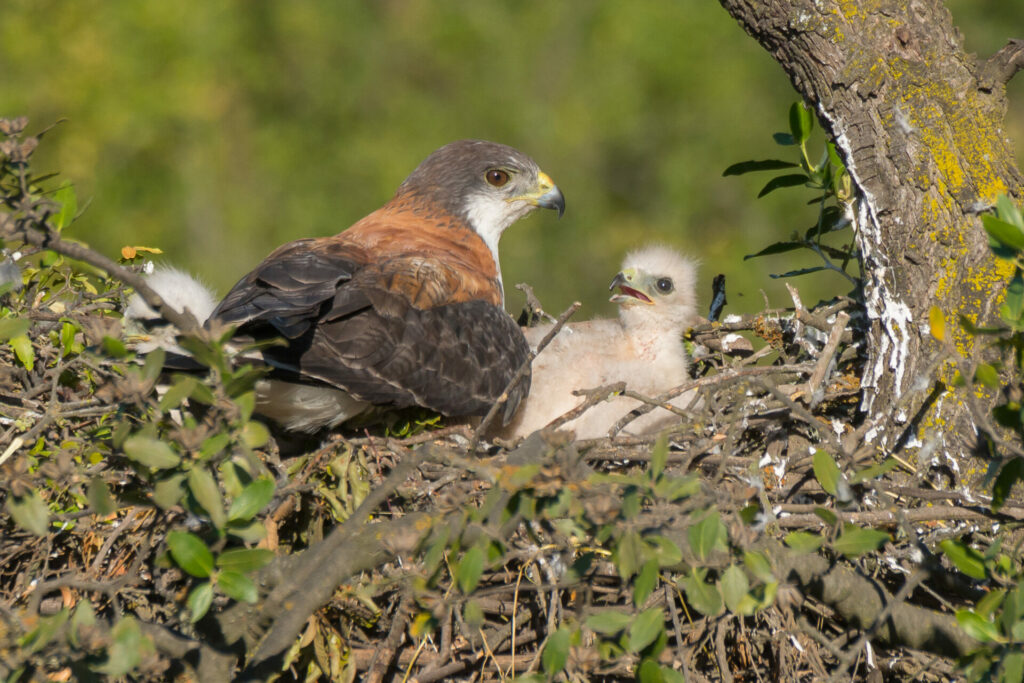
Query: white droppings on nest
column 780, row 468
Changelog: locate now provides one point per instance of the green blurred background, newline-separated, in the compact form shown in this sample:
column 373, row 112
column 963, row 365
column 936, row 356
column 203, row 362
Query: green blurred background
column 217, row 130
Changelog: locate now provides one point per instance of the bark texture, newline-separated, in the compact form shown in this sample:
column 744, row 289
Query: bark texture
column 919, row 123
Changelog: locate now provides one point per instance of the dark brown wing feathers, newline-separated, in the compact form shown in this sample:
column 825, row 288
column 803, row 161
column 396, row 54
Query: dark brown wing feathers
column 395, row 311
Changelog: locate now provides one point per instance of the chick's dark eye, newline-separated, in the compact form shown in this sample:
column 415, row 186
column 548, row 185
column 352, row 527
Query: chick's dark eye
column 496, row 177
column 664, row 285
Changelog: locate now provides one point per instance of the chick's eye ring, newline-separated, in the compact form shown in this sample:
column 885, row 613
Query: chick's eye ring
column 664, row 285
column 496, row 177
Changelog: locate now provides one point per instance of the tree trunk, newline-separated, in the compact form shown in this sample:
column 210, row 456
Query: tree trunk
column 919, row 124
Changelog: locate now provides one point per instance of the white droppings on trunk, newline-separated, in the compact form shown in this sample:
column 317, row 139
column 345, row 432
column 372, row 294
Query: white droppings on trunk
column 891, row 351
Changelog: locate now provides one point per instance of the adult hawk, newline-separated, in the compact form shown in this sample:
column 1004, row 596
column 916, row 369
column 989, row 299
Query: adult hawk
column 643, row 348
column 404, row 308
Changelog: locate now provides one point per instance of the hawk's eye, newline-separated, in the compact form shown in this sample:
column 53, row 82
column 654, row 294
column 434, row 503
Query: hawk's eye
column 664, row 285
column 496, row 177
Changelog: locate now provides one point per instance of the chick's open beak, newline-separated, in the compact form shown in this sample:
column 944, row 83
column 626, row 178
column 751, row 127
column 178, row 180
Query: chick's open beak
column 627, row 293
column 547, row 196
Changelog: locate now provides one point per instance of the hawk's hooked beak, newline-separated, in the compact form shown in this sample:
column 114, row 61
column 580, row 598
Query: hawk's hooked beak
column 626, row 293
column 547, row 194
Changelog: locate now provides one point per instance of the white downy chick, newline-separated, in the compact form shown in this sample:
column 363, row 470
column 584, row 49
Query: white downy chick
column 643, row 348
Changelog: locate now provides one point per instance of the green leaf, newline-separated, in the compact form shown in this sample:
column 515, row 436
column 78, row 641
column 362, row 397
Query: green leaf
column 759, row 566
column 978, row 627
column 704, row 597
column 126, row 649
column 1009, row 475
column 190, row 553
column 473, row 614
column 1013, row 304
column 645, row 582
column 761, row 165
column 777, row 248
column 1008, row 211
column 671, row 675
column 199, row 600
column 778, row 182
column 665, row 551
column 734, row 585
column 469, row 570
column 244, row 560
column 986, row 374
column 115, row 348
column 83, row 617
column 1013, row 667
column 238, row 586
column 45, row 630
column 68, row 200
column 827, row 516
column 255, row 434
column 13, row 327
column 629, row 554
column 154, row 364
column 649, row 672
column 826, row 471
column 556, row 651
column 804, row 541
column 29, row 512
column 659, row 456
column 967, row 560
column 214, row 444
column 98, row 495
column 705, row 535
column 797, row 272
column 609, row 622
column 784, row 139
column 989, row 602
column 150, row 452
column 646, row 628
column 884, row 467
column 22, row 346
column 204, row 488
column 178, row 392
column 67, row 339
column 247, row 532
column 253, row 498
column 169, row 491
column 1003, row 233
column 800, row 122
column 855, row 540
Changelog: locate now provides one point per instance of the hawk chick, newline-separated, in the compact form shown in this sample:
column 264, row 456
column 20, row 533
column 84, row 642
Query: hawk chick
column 642, row 348
column 180, row 291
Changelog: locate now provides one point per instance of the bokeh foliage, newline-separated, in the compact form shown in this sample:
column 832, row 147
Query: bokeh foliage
column 217, row 131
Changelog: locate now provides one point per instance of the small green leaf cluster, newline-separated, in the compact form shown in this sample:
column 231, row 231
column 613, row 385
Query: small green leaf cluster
column 227, row 572
column 844, row 538
column 1005, row 229
column 587, row 525
column 828, row 178
column 997, row 619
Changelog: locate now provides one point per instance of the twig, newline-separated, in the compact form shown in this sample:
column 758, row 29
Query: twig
column 724, row 377
column 533, row 303
column 46, row 238
column 383, row 659
column 814, row 384
column 1003, row 65
column 886, row 517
